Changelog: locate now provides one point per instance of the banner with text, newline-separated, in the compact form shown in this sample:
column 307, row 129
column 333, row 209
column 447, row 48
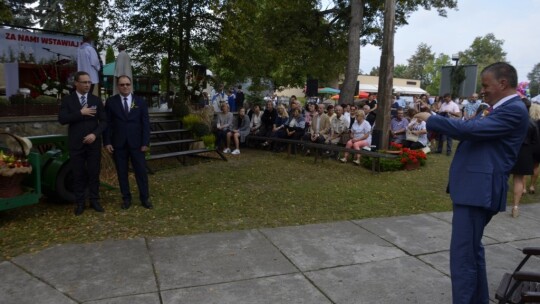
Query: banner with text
column 25, row 46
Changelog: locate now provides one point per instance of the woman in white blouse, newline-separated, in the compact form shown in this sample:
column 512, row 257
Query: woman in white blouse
column 360, row 137
column 417, row 127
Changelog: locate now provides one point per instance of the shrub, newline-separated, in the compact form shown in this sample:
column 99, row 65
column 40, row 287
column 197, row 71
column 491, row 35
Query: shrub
column 200, row 129
column 386, row 164
column 209, row 141
column 4, row 101
column 44, row 99
column 189, row 120
column 20, row 99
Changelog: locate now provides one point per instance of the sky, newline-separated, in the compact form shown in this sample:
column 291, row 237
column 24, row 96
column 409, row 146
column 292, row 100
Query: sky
column 515, row 22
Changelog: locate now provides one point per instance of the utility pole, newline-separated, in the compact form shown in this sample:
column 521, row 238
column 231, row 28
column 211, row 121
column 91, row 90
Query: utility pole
column 386, row 78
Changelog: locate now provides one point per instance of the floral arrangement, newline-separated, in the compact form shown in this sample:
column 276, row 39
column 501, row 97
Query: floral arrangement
column 50, row 81
column 395, row 147
column 412, row 156
column 408, row 156
column 53, row 88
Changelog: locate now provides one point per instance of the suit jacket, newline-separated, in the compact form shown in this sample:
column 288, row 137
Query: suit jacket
column 487, row 151
column 131, row 130
column 324, row 125
column 80, row 125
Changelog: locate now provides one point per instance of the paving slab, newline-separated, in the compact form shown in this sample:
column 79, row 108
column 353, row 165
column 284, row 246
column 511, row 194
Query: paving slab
column 487, row 238
column 149, row 298
column 505, row 228
column 94, row 271
column 18, row 287
column 530, row 210
column 500, row 258
column 188, row 261
column 319, row 246
column 293, row 288
column 525, row 243
column 415, row 234
column 401, row 280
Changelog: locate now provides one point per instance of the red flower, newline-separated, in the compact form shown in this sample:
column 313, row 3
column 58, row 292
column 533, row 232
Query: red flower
column 411, row 156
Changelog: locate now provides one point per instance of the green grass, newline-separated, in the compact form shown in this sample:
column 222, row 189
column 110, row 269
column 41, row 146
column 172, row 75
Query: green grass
column 257, row 189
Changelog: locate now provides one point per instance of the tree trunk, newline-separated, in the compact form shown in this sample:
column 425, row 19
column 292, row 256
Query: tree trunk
column 386, row 78
column 351, row 72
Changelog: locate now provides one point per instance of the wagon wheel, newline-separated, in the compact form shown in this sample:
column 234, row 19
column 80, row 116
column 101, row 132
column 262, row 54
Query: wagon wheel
column 64, row 184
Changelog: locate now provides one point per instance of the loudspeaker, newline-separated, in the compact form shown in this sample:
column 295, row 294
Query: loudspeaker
column 357, row 88
column 312, row 87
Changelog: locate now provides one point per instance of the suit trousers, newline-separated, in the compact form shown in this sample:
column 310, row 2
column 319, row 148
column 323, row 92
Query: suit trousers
column 442, row 139
column 86, row 165
column 467, row 260
column 121, row 157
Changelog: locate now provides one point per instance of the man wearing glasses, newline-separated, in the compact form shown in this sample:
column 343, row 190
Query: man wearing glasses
column 128, row 138
column 85, row 115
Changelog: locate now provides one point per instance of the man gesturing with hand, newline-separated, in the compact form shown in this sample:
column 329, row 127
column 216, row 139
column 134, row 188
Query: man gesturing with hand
column 478, row 179
column 85, row 115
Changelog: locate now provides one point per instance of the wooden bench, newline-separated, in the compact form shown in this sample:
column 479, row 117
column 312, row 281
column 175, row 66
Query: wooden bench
column 169, row 140
column 184, row 153
column 376, row 156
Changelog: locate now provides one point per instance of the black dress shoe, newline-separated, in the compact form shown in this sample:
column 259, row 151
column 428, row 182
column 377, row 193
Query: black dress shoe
column 126, row 205
column 96, row 206
column 147, row 205
column 79, row 209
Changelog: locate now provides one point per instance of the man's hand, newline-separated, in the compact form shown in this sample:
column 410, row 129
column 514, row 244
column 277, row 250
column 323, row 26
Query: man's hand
column 90, row 138
column 86, row 111
column 423, row 116
column 144, row 148
column 109, row 148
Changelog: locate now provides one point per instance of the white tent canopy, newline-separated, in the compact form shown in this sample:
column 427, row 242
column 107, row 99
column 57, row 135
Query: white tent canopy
column 409, row 90
column 371, row 88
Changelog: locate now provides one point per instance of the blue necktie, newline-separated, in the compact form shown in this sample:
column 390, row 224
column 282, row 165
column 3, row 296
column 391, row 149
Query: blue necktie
column 83, row 101
column 126, row 109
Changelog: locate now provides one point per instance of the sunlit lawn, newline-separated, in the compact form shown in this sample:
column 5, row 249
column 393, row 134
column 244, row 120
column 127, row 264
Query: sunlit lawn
column 254, row 190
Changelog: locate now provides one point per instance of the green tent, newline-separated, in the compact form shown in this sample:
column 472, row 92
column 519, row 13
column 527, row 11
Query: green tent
column 108, row 69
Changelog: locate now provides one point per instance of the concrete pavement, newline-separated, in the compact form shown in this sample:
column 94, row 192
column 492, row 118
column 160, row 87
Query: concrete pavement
column 383, row 260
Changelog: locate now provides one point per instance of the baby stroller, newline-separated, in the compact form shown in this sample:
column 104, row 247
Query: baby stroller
column 520, row 286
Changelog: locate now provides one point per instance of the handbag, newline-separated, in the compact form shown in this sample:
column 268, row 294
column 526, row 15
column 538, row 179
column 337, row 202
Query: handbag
column 410, row 136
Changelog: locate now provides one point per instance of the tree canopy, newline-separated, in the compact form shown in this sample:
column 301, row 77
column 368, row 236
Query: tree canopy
column 483, row 52
column 280, row 40
column 534, row 79
column 289, row 41
column 16, row 12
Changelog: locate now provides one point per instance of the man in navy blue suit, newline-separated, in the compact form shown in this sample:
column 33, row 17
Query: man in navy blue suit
column 488, row 149
column 84, row 114
column 127, row 137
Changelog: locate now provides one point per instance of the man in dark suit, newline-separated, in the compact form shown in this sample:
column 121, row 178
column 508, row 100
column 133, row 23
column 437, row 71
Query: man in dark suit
column 85, row 115
column 488, row 149
column 128, row 138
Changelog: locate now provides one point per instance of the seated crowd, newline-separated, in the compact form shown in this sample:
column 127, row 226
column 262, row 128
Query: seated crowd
column 347, row 125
